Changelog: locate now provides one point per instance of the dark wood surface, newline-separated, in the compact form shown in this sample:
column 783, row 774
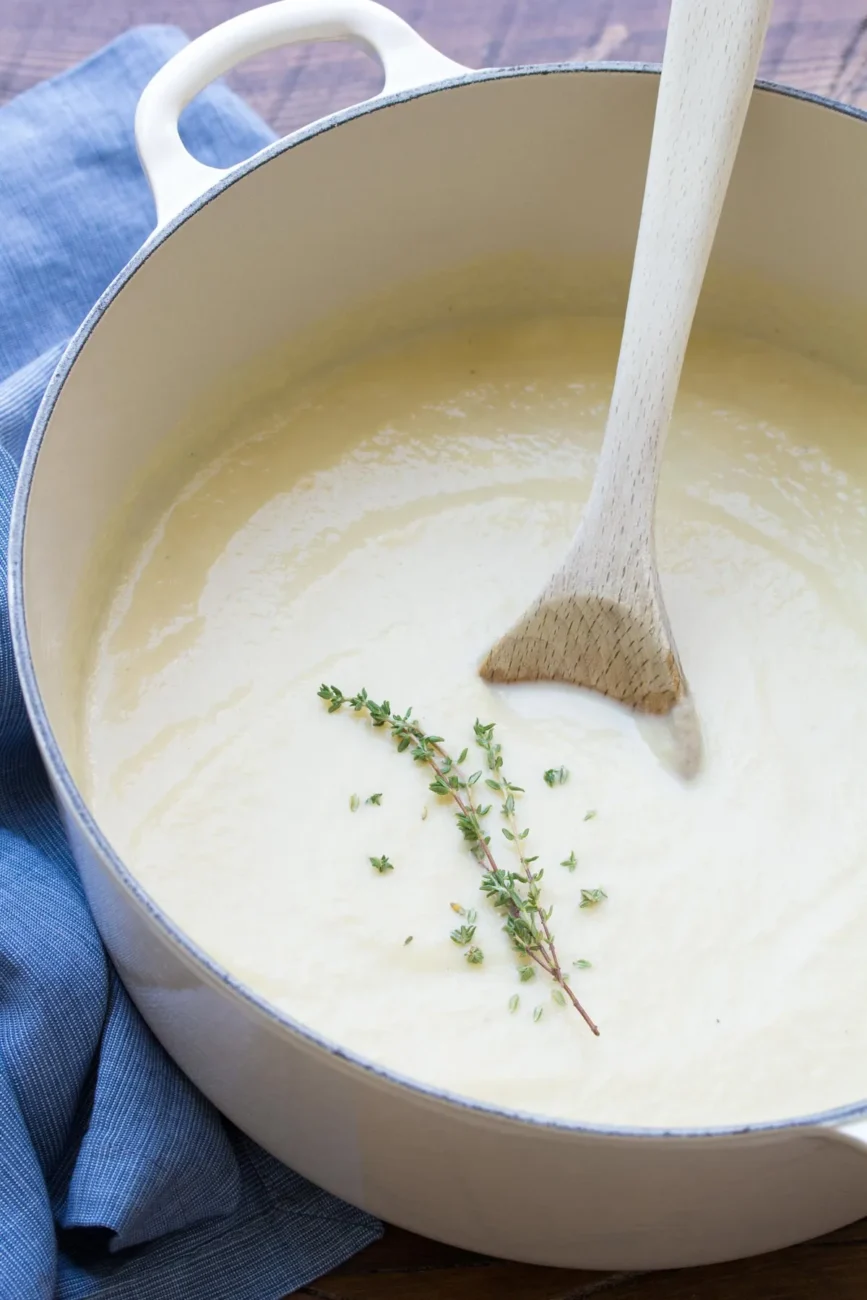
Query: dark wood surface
column 818, row 45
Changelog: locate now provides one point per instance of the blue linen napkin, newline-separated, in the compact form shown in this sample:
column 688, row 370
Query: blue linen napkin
column 117, row 1179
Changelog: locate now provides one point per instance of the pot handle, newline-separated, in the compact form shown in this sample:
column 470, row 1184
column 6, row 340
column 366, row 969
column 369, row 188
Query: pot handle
column 853, row 1133
column 177, row 178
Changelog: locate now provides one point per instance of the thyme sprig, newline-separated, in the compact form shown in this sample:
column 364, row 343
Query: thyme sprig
column 515, row 894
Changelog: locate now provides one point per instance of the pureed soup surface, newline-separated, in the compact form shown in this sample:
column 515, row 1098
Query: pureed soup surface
column 378, row 528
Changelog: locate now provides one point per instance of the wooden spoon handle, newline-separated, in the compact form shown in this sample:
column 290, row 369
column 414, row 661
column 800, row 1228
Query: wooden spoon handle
column 711, row 55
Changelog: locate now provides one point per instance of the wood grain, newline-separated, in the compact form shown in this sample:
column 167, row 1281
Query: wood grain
column 818, row 45
column 403, row 1267
column 600, row 622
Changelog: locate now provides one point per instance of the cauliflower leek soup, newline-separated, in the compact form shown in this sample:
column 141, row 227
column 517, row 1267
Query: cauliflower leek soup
column 373, row 528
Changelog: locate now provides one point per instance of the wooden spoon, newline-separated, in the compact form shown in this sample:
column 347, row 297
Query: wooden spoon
column 601, row 622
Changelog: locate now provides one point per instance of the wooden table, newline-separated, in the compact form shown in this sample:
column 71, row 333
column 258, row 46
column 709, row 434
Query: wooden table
column 818, row 45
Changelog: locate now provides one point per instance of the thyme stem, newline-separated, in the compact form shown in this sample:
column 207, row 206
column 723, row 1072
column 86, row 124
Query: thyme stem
column 518, row 839
column 532, row 940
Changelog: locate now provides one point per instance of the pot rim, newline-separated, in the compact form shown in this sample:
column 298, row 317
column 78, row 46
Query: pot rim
column 61, row 777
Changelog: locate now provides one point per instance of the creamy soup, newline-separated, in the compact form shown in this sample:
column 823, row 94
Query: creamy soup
column 379, row 527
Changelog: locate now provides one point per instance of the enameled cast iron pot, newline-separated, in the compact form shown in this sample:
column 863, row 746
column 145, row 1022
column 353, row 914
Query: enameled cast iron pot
column 444, row 166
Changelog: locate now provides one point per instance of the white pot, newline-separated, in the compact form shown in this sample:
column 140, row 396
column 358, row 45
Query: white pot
column 445, row 166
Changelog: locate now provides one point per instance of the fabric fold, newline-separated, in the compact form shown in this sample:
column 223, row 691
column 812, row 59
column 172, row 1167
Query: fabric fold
column 118, row 1180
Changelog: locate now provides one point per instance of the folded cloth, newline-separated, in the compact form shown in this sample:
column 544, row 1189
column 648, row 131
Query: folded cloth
column 117, row 1179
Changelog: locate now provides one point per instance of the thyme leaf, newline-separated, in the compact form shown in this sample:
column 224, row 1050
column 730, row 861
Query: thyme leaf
column 516, row 894
column 592, row 897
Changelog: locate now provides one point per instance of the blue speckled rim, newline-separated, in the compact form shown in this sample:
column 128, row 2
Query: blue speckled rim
column 48, row 744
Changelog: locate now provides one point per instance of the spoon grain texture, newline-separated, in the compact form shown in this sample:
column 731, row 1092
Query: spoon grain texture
column 600, row 621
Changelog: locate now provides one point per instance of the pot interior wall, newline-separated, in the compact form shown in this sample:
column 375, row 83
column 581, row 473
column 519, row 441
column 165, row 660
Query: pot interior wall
column 549, row 166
